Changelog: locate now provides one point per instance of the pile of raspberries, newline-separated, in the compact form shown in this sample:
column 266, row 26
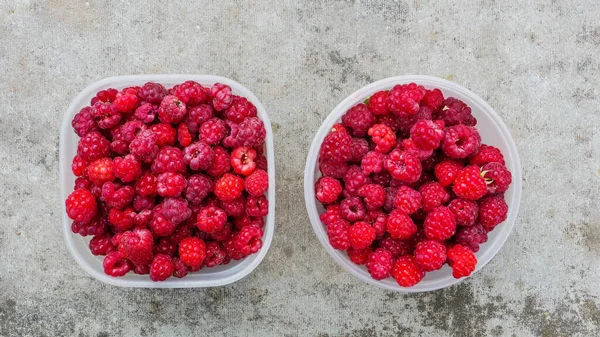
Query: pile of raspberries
column 407, row 185
column 169, row 180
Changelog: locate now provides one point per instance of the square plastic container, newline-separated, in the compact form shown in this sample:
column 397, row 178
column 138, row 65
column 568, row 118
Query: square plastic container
column 493, row 132
column 78, row 246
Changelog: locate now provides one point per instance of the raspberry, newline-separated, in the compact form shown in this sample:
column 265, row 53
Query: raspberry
column 492, row 211
column 454, row 111
column 497, row 177
column 257, row 183
column 380, row 263
column 359, row 256
column 403, row 100
column 359, row 119
column 372, row 162
column 360, row 147
column 471, row 237
column 242, row 160
column 392, row 121
column 121, row 220
column 406, row 123
column 152, row 93
column 127, row 168
column 146, row 113
column 175, row 210
column 353, row 209
column 390, row 198
column 378, row 221
column 183, row 135
column 197, row 115
column 160, row 226
column 337, row 146
column 440, row 224
column 232, row 252
column 198, row 188
column 407, row 200
column 261, row 162
column 82, row 182
column 211, row 219
column 101, row 171
column 190, row 92
column 487, row 154
column 125, row 103
column 240, row 109
column 382, row 178
column 137, row 246
column 430, row 255
column 400, row 225
column 180, row 233
column 403, row 166
column 79, row 166
column 221, row 96
column 115, row 196
column 257, row 206
column 93, row 146
column 165, row 134
column 411, row 148
column 427, row 134
column 168, row 159
column 107, row 95
column 378, row 103
column 192, row 251
column 101, row 245
column 469, row 184
column 165, row 246
column 199, row 156
column 229, row 187
column 465, row 211
column 106, row 115
column 144, row 146
column 462, row 260
column 116, row 265
column 354, row 179
column 339, row 235
column 221, row 164
column 83, row 122
column 407, row 272
column 433, row 99
column 373, row 194
column 124, row 134
column 171, row 110
column 383, row 136
column 215, row 254
column 433, row 195
column 331, row 215
column 146, row 184
column 181, row 270
column 446, row 171
column 332, row 168
column 396, row 247
column 141, row 202
column 361, row 235
column 223, row 234
column 250, row 132
column 248, row 240
column 169, row 184
column 96, row 226
column 162, row 267
column 461, row 141
column 213, row 131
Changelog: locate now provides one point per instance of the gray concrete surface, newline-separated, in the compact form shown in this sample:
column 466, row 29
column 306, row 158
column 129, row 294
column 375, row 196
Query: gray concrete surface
column 536, row 62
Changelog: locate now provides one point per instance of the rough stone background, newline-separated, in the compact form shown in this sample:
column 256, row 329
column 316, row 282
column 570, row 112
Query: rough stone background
column 536, row 62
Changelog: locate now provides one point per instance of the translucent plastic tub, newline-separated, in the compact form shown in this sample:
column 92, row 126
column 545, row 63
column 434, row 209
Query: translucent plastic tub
column 493, row 132
column 78, row 246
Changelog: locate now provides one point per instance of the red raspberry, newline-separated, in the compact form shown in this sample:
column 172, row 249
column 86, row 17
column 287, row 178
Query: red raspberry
column 215, row 254
column 461, row 141
column 137, row 246
column 106, row 115
column 430, row 255
column 378, row 220
column 403, row 100
column 427, row 134
column 390, row 198
column 165, row 134
column 224, row 234
column 353, row 209
column 407, row 200
column 146, row 184
column 354, row 179
column 162, row 267
column 232, row 253
column 359, row 119
column 190, row 92
column 229, row 187
column 213, row 131
column 406, row 123
column 462, row 260
column 221, row 164
column 146, row 113
column 181, row 233
column 160, row 226
column 257, row 206
column 332, row 214
column 446, row 171
column 257, row 183
column 198, row 188
column 380, row 263
column 197, row 115
column 121, row 220
column 250, row 132
column 487, row 154
column 78, row 166
column 169, row 184
column 93, row 146
column 144, row 146
column 199, row 156
column 82, row 182
column 372, row 162
column 337, row 146
column 171, row 110
column 96, row 226
column 359, row 256
column 397, row 247
column 141, row 202
column 124, row 134
column 107, row 95
column 407, row 272
column 455, row 111
column 181, row 270
column 116, row 265
column 115, row 196
column 433, row 99
column 361, row 235
column 378, row 103
column 332, row 168
column 411, row 148
column 127, row 168
column 383, row 136
column 240, row 109
column 152, row 93
column 465, row 211
column 221, row 96
column 236, row 207
column 101, row 171
column 392, row 121
column 382, row 178
column 168, row 159
column 175, row 210
column 373, row 194
column 211, row 219
column 430, row 162
column 400, row 225
column 248, row 240
column 192, row 251
column 471, row 237
column 83, row 122
column 497, row 177
column 184, row 137
column 261, row 162
column 101, row 245
column 360, row 147
column 165, row 246
column 242, row 160
column 469, row 184
column 440, row 224
column 125, row 103
column 433, row 195
column 403, row 166
column 339, row 235
column 493, row 210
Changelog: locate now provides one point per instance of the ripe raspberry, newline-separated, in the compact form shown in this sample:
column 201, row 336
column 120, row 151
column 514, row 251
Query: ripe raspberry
column 392, row 121
column 137, row 246
column 358, row 119
column 101, row 245
column 440, row 224
column 144, row 146
column 430, row 162
column 96, row 226
column 427, row 134
column 181, row 270
column 152, row 93
column 372, row 162
column 162, row 267
column 433, row 195
column 497, row 177
column 199, row 156
column 192, row 251
column 337, row 146
column 146, row 184
column 165, row 246
column 455, row 111
column 462, row 260
column 250, row 132
column 465, row 211
column 353, row 209
column 378, row 103
column 190, row 92
column 123, row 135
column 339, row 235
column 101, row 171
column 361, row 235
column 198, row 188
column 461, row 141
column 224, row 234
column 82, row 182
column 221, row 96
column 93, row 146
column 229, row 187
column 171, row 110
column 407, row 272
column 232, row 252
column 121, row 220
column 235, row 208
column 107, row 95
column 382, row 178
column 175, row 210
column 407, row 122
column 215, row 254
column 380, row 263
column 116, row 265
column 78, row 166
column 165, row 134
column 383, row 136
column 400, row 225
column 332, row 214
column 359, row 256
column 403, row 166
column 213, row 131
column 117, row 196
column 184, row 137
column 242, row 160
column 169, row 184
column 240, row 109
column 211, row 219
column 373, row 194
column 146, row 113
column 360, row 147
column 469, row 184
column 257, row 206
column 248, row 240
column 125, row 103
column 257, row 183
column 433, row 99
column 378, row 220
column 197, row 115
column 492, row 211
column 127, row 168
column 181, row 233
column 390, row 198
column 83, row 122
column 471, row 237
column 403, row 100
column 141, row 202
column 397, row 247
column 430, row 255
column 411, row 148
column 407, row 200
column 487, row 154
column 221, row 164
column 354, row 179
column 160, row 226
column 168, row 159
column 106, row 115
column 446, row 171
column 332, row 168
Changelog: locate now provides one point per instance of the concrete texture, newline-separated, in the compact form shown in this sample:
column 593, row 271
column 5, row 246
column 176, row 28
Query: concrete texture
column 535, row 62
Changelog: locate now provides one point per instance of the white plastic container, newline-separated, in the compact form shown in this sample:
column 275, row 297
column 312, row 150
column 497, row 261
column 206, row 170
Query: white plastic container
column 78, row 246
column 493, row 132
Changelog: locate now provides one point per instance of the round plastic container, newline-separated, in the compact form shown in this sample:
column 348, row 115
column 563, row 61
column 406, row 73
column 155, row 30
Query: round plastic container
column 493, row 132
column 78, row 246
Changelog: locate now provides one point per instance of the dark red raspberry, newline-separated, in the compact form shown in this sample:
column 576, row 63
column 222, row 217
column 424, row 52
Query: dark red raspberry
column 121, row 220
column 82, row 182
column 199, row 156
column 406, row 123
column 465, row 211
column 197, row 115
column 362, row 235
column 471, row 237
column 221, row 96
column 198, row 188
column 192, row 251
column 430, row 162
column 242, row 221
column 144, row 146
column 390, row 198
column 353, row 209
column 383, row 136
column 211, row 219
column 433, row 195
column 446, row 171
column 373, row 194
column 360, row 147
column 107, row 95
column 171, row 110
column 461, row 141
column 407, row 200
column 382, row 178
column 213, row 131
column 403, row 100
column 146, row 184
column 332, row 168
column 248, row 240
column 190, row 92
column 378, row 103
column 127, row 168
column 160, row 226
column 455, row 111
column 169, row 184
column 240, row 109
column 433, row 99
column 440, row 224
column 462, row 260
column 116, row 265
column 372, row 162
column 181, row 233
column 250, row 132
column 125, row 103
column 493, row 210
column 146, row 113
column 181, row 270
column 427, row 134
column 106, row 115
column 101, row 171
column 141, row 202
column 403, row 166
column 397, row 247
column 469, row 184
column 168, row 159
column 124, row 134
column 221, row 164
column 235, row 208
column 101, row 245
column 497, row 177
column 242, row 160
column 359, row 256
column 400, row 225
column 339, row 235
column 380, row 263
column 78, row 166
column 162, row 267
column 165, row 134
column 224, row 234
column 96, row 226
column 93, row 146
column 407, row 272
column 331, row 214
column 261, row 162
column 184, row 137
column 411, row 148
column 175, row 210
column 354, row 179
column 257, row 206
column 358, row 119
column 430, row 255
column 487, row 154
column 215, row 254
column 152, row 93
column 137, row 246
column 257, row 183
column 392, row 121
column 83, row 122
column 337, row 146
column 117, row 197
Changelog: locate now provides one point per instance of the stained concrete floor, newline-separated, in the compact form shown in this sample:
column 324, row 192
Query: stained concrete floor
column 535, row 62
